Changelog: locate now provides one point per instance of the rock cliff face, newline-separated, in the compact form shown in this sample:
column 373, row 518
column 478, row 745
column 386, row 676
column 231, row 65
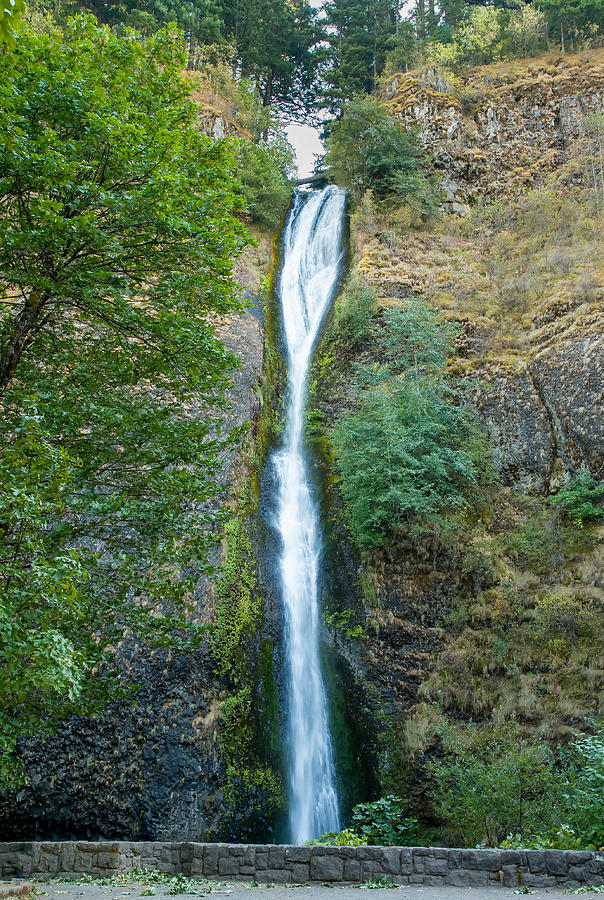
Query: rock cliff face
column 523, row 283
column 533, row 365
column 515, row 264
column 543, row 408
column 502, row 131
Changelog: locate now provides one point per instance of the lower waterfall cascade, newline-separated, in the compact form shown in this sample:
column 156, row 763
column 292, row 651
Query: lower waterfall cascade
column 313, row 256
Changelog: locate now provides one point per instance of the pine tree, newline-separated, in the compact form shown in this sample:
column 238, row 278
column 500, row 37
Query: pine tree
column 274, row 41
column 359, row 33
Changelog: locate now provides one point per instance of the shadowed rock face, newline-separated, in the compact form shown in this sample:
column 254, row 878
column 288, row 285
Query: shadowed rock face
column 569, row 378
column 518, row 426
column 150, row 771
column 543, row 413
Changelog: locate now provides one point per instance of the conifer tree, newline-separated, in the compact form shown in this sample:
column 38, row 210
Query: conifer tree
column 359, row 33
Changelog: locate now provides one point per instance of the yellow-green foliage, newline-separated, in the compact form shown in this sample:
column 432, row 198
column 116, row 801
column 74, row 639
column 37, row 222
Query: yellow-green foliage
column 530, row 643
column 254, row 787
column 249, row 742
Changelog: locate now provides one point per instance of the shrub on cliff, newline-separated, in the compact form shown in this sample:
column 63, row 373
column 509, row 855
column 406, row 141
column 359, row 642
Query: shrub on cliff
column 581, row 500
column 489, row 786
column 354, row 309
column 503, row 788
column 118, row 232
column 405, row 456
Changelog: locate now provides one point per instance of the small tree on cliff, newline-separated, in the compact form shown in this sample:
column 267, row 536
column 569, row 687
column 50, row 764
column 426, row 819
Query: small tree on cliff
column 117, row 238
column 367, row 149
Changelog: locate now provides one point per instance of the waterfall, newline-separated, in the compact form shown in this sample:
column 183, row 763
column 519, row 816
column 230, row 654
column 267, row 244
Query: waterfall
column 312, row 259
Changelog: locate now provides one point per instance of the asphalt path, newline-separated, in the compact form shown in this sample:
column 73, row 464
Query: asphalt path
column 242, row 891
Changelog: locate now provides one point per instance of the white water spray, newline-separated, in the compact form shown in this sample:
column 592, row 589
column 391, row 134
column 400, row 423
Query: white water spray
column 312, row 259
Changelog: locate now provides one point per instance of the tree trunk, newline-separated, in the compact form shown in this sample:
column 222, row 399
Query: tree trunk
column 267, row 94
column 18, row 334
column 421, row 20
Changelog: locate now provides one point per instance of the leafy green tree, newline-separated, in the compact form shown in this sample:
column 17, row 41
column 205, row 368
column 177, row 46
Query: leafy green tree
column 526, row 32
column 274, row 40
column 404, row 48
column 568, row 18
column 369, row 150
column 202, row 20
column 264, row 169
column 500, row 785
column 101, row 192
column 270, row 41
column 42, row 589
column 403, row 460
column 476, row 41
column 10, row 13
column 117, row 239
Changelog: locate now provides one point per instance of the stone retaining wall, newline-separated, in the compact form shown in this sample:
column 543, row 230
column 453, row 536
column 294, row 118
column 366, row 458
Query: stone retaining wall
column 288, row 864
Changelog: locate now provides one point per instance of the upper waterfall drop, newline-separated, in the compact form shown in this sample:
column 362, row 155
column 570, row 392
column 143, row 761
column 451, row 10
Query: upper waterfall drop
column 313, row 255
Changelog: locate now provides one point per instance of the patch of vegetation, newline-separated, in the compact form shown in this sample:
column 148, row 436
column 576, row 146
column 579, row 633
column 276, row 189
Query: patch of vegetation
column 343, row 621
column 248, row 742
column 254, row 786
column 367, row 149
column 588, row 889
column 265, row 170
column 355, row 307
column 581, row 500
column 169, row 884
column 495, row 786
column 381, row 822
column 405, row 457
column 240, row 603
column 501, row 788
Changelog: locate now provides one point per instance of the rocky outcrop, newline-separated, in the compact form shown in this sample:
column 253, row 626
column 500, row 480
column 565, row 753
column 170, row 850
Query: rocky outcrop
column 501, row 132
column 144, row 769
column 567, row 370
column 542, row 409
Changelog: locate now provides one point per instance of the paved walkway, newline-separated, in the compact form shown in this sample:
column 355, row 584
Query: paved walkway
column 242, row 891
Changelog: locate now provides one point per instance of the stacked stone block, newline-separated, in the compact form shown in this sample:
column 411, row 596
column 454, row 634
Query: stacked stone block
column 283, row 864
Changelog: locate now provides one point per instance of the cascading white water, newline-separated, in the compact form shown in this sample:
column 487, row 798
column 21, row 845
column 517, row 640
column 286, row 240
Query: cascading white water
column 312, row 259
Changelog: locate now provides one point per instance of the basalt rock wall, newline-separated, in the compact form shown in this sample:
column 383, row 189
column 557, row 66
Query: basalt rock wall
column 150, row 766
